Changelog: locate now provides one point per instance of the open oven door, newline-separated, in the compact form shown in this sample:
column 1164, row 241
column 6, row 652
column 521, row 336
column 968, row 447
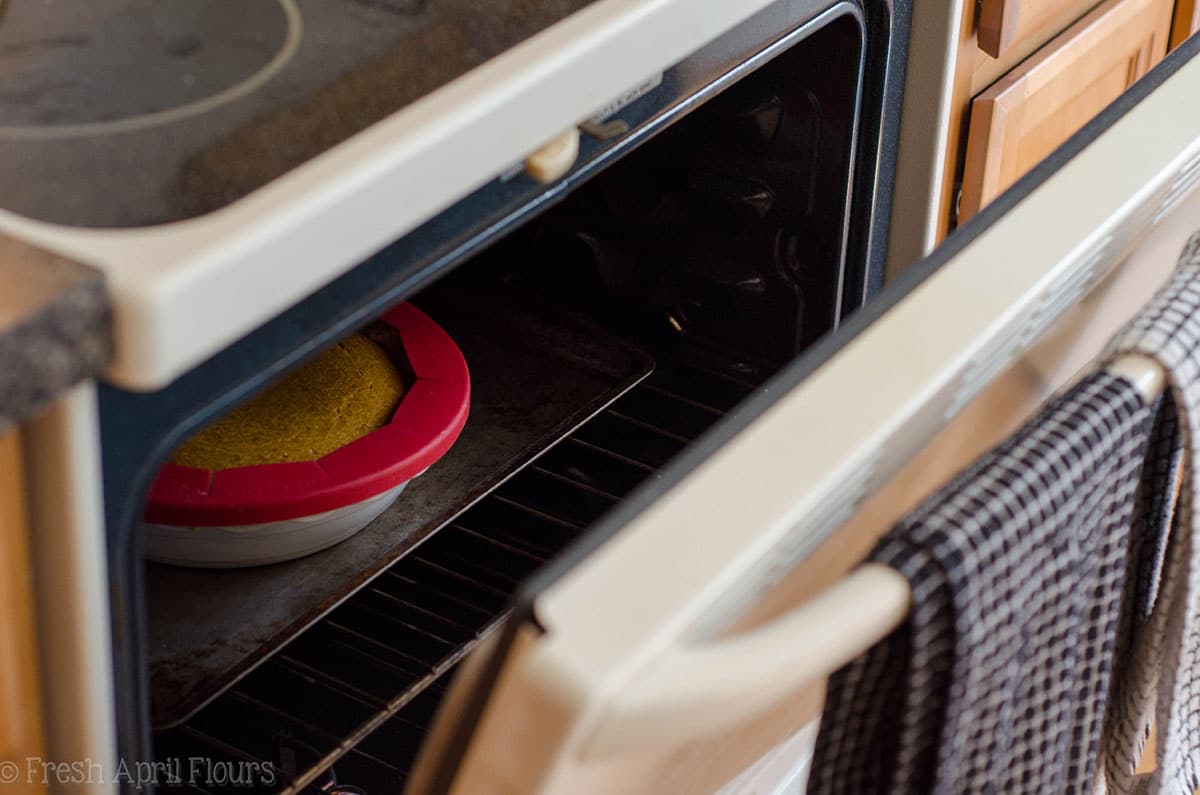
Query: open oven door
column 624, row 667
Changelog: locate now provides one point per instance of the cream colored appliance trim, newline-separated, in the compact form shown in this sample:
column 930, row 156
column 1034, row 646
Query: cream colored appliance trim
column 656, row 592
column 771, row 662
column 66, row 513
column 924, row 132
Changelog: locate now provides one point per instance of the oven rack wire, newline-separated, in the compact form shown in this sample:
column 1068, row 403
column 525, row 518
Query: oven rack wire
column 344, row 706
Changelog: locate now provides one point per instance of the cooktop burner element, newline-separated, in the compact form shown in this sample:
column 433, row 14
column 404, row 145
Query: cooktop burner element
column 131, row 113
column 108, row 66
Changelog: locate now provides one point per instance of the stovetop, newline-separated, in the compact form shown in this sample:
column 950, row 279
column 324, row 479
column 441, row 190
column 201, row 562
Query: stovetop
column 212, row 158
column 130, row 113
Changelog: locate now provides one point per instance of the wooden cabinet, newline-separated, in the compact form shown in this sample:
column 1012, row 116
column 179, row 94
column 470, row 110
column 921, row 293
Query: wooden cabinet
column 1003, row 24
column 1060, row 62
column 1033, row 109
column 20, row 699
column 1187, row 21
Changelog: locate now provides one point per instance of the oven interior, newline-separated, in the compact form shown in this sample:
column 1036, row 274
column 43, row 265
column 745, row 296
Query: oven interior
column 602, row 337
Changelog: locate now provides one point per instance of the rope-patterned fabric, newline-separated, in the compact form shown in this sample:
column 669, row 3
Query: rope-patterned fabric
column 1159, row 677
column 997, row 682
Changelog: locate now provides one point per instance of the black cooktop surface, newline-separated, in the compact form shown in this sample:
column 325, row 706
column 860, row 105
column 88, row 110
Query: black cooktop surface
column 122, row 113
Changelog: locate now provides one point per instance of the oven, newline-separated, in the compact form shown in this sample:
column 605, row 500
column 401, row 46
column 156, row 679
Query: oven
column 722, row 214
column 686, row 375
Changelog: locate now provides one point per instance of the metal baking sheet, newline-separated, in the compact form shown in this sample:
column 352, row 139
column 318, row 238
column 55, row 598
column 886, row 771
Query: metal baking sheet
column 537, row 372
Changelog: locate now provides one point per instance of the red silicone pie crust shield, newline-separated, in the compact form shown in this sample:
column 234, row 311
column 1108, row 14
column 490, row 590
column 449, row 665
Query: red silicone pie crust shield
column 427, row 422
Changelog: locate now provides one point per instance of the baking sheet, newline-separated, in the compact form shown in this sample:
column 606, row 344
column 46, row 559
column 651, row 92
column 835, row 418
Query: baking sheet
column 537, row 372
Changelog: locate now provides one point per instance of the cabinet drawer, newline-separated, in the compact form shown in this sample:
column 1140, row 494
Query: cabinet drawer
column 1005, row 23
column 1026, row 114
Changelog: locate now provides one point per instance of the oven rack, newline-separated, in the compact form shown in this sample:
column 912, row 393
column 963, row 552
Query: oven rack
column 538, row 370
column 139, row 430
column 351, row 699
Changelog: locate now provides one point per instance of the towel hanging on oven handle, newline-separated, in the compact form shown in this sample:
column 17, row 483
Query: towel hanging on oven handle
column 705, row 689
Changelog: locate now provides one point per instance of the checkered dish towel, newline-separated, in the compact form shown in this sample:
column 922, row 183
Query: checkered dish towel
column 1159, row 653
column 998, row 680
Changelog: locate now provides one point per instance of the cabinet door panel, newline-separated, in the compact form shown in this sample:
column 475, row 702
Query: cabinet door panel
column 20, row 708
column 1028, row 113
column 1004, row 23
column 1187, row 21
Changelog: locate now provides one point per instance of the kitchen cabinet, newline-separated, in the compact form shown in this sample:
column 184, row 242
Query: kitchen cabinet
column 962, row 59
column 1028, row 113
column 20, row 694
column 1186, row 22
column 1004, row 23
column 54, row 334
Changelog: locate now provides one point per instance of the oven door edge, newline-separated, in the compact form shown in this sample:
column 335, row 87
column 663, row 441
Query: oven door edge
column 683, row 558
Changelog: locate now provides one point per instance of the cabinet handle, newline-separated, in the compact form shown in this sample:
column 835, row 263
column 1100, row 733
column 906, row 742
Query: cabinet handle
column 703, row 690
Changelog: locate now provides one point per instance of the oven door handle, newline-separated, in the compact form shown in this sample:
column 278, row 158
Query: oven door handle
column 698, row 691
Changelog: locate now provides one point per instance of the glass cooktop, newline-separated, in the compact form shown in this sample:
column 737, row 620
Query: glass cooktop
column 125, row 113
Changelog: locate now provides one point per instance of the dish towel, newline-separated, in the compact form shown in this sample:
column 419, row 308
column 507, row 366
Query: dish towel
column 998, row 681
column 1159, row 657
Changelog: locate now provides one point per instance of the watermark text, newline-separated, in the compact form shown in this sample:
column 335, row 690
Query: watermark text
column 200, row 771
